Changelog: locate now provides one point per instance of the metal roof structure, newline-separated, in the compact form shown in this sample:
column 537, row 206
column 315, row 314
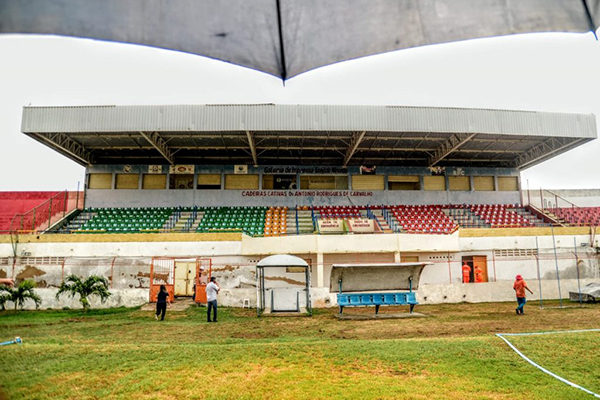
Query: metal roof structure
column 288, row 37
column 267, row 134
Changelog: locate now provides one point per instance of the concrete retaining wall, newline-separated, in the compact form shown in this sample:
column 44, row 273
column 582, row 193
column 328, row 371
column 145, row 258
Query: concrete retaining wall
column 118, row 298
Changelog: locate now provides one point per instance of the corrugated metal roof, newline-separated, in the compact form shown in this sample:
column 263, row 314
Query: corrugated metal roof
column 326, row 118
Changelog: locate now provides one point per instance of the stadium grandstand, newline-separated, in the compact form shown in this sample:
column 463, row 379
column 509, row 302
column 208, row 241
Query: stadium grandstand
column 195, row 190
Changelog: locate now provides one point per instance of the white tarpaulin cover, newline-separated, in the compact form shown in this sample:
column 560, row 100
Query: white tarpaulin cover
column 589, row 293
column 288, row 37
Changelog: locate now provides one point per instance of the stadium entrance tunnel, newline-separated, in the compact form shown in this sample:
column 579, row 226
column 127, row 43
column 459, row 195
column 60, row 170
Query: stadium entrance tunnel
column 283, row 285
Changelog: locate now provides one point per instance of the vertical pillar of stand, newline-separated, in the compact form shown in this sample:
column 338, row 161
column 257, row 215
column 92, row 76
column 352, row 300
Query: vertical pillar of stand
column 320, row 271
column 449, row 269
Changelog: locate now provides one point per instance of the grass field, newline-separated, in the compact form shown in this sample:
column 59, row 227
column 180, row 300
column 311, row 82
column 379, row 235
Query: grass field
column 452, row 354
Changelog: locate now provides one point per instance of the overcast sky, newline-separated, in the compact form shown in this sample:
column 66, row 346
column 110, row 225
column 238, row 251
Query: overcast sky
column 539, row 72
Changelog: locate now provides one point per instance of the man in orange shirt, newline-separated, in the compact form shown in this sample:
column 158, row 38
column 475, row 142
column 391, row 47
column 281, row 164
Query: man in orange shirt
column 519, row 288
column 466, row 271
column 478, row 274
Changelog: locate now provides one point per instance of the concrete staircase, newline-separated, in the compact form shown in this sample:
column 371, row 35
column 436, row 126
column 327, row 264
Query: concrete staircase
column 305, row 223
column 382, row 222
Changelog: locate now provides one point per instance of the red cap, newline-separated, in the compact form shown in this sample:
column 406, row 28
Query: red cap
column 519, row 278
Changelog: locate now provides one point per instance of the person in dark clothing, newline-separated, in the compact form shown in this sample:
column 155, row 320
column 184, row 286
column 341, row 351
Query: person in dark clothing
column 162, row 299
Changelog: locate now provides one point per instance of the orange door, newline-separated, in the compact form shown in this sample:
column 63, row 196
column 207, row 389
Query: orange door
column 481, row 262
column 203, row 274
column 162, row 272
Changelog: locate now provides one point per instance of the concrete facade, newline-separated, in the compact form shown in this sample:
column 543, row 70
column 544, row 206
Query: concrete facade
column 126, row 264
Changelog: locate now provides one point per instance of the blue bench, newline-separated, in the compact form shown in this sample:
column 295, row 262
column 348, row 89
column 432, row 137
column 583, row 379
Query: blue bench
column 377, row 300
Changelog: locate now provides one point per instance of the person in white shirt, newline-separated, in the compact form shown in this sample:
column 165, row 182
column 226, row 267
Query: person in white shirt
column 211, row 297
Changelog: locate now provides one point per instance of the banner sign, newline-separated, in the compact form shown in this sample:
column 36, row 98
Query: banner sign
column 331, row 226
column 305, row 193
column 181, row 169
column 305, row 170
column 362, row 225
column 155, row 169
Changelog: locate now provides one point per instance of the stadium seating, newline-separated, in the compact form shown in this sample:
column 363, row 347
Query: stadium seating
column 281, row 220
column 422, row 219
column 125, row 220
column 499, row 215
column 12, row 203
column 580, row 216
column 233, row 219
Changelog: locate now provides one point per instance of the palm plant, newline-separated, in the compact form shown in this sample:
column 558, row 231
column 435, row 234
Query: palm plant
column 20, row 294
column 93, row 286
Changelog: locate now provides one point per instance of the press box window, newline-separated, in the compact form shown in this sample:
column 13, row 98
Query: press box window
column 459, row 183
column 181, row 181
column 209, row 182
column 483, row 183
column 279, row 182
column 241, row 182
column 99, row 181
column 368, row 182
column 404, row 182
column 507, row 184
column 434, row 183
column 154, row 181
column 324, row 182
column 127, row 181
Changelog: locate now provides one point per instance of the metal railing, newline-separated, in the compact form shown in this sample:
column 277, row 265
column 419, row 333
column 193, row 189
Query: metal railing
column 47, row 214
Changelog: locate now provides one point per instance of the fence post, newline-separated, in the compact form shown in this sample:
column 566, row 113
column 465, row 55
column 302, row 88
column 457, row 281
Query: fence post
column 577, row 266
column 556, row 263
column 537, row 260
column 49, row 214
column 65, row 205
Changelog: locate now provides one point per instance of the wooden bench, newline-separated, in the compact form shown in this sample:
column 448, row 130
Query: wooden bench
column 376, row 299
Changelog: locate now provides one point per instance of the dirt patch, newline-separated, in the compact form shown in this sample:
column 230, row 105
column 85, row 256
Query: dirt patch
column 227, row 268
column 286, row 280
column 30, row 272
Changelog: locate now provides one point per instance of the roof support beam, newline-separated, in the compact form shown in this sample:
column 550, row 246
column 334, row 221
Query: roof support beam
column 252, row 145
column 453, row 143
column 64, row 143
column 545, row 149
column 159, row 144
column 357, row 137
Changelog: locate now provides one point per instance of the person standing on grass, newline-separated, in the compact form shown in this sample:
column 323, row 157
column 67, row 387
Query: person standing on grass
column 162, row 299
column 211, row 298
column 519, row 287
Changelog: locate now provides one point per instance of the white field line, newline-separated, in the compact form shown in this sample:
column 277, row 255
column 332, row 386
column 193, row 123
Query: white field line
column 563, row 380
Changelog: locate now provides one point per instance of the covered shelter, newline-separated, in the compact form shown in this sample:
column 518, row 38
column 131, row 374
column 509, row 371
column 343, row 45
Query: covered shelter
column 283, row 285
column 341, row 136
column 376, row 284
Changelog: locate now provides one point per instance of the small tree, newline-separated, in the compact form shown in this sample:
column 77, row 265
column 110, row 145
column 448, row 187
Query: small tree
column 20, row 294
column 93, row 286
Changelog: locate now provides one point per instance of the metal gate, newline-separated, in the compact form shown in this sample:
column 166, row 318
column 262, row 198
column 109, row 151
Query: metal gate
column 203, row 274
column 162, row 272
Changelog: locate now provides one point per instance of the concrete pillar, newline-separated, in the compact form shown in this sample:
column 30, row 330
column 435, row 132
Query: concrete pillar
column 320, row 270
